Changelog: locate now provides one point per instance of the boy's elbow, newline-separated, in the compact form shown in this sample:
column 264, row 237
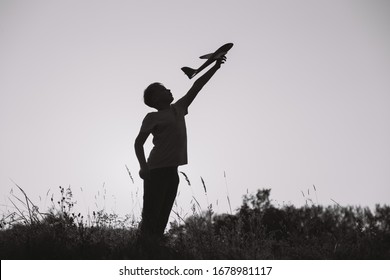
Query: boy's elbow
column 139, row 141
column 137, row 144
column 138, row 148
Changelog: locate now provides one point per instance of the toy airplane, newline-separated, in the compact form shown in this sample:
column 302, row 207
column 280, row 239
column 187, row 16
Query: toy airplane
column 211, row 57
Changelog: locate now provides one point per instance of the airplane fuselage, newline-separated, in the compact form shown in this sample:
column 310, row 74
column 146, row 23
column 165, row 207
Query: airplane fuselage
column 210, row 59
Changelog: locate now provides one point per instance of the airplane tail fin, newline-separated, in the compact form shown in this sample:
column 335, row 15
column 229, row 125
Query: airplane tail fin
column 189, row 72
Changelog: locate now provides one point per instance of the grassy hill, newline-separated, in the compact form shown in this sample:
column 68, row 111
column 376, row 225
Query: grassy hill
column 257, row 230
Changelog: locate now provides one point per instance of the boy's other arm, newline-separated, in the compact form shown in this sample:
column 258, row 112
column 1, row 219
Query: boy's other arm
column 140, row 153
column 187, row 99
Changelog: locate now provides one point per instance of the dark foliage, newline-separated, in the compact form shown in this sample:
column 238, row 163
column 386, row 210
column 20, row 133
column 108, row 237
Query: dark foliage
column 258, row 230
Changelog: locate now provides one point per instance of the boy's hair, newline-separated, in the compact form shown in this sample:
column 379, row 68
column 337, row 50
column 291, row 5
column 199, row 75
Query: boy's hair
column 149, row 94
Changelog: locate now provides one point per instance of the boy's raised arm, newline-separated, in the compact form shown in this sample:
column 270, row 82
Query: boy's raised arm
column 187, row 99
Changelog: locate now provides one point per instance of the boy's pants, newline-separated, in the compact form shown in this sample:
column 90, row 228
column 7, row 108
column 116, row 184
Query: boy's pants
column 159, row 195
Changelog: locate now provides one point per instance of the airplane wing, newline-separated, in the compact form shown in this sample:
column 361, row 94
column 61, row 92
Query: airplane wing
column 206, row 56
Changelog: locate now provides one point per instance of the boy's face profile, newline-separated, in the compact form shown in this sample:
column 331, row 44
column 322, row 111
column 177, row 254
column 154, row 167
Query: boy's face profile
column 163, row 96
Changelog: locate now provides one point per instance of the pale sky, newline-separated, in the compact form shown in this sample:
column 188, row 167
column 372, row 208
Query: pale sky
column 302, row 100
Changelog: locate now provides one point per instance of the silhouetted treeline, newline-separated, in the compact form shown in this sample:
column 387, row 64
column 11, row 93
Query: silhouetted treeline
column 261, row 230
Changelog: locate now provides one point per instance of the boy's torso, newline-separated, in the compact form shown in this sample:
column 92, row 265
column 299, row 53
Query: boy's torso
column 168, row 128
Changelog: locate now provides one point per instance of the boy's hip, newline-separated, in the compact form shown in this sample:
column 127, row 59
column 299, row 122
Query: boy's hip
column 164, row 171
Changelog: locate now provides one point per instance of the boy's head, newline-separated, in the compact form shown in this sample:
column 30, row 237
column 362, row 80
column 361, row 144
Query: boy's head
column 157, row 96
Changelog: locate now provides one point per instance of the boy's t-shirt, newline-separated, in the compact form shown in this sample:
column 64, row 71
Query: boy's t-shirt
column 168, row 128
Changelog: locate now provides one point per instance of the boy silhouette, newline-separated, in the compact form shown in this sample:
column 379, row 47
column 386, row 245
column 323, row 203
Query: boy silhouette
column 160, row 171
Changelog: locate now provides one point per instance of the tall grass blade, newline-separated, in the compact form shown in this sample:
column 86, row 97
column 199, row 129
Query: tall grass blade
column 315, row 191
column 204, row 185
column 186, row 177
column 28, row 202
column 178, row 215
column 21, row 213
column 336, row 202
column 227, row 191
column 197, row 202
column 128, row 171
column 22, row 202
